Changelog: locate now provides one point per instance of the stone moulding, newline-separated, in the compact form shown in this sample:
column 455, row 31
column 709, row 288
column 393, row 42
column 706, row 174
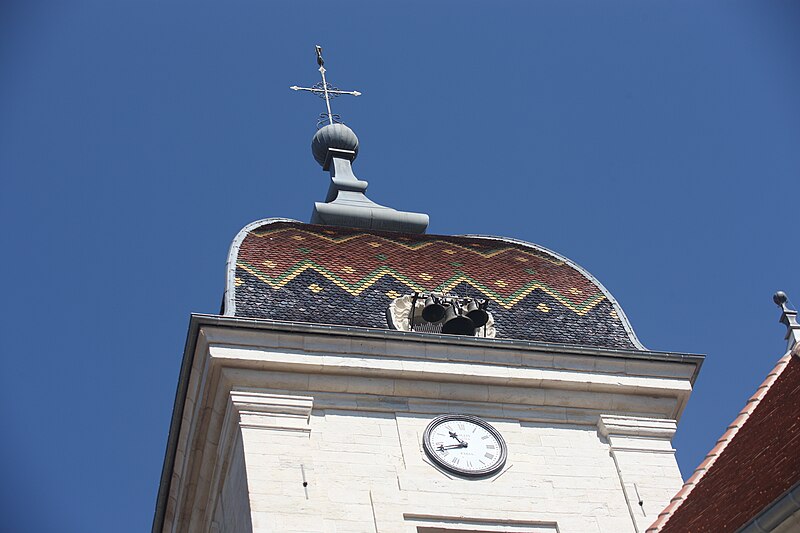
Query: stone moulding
column 434, row 524
column 611, row 426
column 262, row 410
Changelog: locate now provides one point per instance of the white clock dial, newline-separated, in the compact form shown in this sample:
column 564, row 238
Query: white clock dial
column 465, row 445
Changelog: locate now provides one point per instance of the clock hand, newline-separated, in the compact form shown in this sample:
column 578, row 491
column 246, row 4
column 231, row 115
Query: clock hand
column 455, row 436
column 442, row 447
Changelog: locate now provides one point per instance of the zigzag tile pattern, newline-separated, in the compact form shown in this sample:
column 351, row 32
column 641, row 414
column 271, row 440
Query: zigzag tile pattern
column 334, row 275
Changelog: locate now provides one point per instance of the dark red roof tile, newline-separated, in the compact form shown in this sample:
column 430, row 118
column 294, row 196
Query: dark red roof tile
column 755, row 462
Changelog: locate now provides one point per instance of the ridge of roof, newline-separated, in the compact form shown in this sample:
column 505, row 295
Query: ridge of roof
column 734, row 428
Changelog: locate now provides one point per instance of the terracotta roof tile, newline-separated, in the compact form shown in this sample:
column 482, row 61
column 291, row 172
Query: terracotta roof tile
column 752, row 464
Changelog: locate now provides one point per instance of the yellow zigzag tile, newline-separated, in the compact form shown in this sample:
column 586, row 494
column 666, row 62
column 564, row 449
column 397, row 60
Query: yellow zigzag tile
column 508, row 304
column 355, row 289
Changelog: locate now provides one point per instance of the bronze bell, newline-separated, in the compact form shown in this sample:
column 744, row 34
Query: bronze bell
column 477, row 314
column 433, row 310
column 456, row 323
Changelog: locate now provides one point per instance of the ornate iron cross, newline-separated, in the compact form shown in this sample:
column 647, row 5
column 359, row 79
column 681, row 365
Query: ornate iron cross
column 325, row 90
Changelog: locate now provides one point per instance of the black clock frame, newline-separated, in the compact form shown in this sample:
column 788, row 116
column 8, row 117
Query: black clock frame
column 484, row 472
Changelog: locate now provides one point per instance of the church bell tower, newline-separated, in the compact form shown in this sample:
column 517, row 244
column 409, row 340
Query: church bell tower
column 365, row 376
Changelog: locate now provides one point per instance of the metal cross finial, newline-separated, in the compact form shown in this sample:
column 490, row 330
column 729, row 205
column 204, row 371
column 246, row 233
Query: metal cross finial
column 325, row 90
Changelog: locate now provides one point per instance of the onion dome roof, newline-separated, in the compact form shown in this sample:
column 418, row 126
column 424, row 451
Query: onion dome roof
column 290, row 271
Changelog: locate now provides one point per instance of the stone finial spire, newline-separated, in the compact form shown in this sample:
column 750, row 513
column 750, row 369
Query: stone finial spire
column 788, row 319
column 335, row 147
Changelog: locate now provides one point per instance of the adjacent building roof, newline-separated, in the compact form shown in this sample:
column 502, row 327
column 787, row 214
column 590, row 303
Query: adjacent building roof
column 286, row 270
column 753, row 465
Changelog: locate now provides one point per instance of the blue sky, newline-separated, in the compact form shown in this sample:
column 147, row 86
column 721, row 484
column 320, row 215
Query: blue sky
column 655, row 143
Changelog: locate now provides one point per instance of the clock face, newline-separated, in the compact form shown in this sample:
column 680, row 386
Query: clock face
column 465, row 445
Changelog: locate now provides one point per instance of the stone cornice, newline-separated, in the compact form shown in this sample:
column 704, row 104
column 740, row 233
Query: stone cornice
column 403, row 341
column 411, row 336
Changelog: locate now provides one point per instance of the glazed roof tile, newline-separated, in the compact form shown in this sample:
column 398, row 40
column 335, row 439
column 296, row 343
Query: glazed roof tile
column 287, row 270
